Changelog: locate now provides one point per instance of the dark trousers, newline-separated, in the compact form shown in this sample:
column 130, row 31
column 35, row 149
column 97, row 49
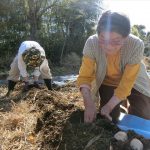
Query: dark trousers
column 139, row 104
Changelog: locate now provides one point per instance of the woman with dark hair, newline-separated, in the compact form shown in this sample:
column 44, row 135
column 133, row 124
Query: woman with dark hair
column 112, row 59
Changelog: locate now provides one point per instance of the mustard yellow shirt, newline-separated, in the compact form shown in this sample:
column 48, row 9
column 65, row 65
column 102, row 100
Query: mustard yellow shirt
column 124, row 82
column 113, row 74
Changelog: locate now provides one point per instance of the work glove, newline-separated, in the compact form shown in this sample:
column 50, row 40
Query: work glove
column 26, row 86
column 36, row 85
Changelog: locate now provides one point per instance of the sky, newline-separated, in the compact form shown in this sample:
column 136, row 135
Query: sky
column 137, row 10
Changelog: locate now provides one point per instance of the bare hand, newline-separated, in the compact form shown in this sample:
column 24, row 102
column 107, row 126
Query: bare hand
column 107, row 109
column 90, row 108
column 90, row 113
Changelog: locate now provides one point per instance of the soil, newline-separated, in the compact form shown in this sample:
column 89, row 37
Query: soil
column 60, row 125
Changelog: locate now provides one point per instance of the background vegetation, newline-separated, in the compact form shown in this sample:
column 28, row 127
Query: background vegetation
column 60, row 26
column 139, row 30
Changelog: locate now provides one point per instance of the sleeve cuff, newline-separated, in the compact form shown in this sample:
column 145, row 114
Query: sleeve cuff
column 120, row 96
column 85, row 86
column 24, row 75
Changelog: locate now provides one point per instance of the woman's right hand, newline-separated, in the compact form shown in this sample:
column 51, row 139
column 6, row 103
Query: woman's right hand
column 90, row 113
column 90, row 108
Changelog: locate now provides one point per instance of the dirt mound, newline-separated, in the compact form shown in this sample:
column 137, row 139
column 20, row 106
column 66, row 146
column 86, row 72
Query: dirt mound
column 53, row 120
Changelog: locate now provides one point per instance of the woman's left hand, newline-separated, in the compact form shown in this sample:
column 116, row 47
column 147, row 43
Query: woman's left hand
column 107, row 109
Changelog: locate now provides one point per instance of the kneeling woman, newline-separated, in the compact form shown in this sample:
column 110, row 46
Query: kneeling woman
column 113, row 58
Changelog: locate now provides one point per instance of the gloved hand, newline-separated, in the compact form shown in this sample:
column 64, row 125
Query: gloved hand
column 26, row 87
column 36, row 85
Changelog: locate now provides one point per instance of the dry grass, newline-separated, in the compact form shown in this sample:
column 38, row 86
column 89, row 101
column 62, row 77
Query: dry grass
column 18, row 123
column 17, row 126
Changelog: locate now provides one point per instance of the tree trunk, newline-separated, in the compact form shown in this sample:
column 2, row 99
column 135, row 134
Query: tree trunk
column 32, row 19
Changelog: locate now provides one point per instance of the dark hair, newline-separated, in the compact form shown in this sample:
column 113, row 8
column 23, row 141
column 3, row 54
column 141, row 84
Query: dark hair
column 114, row 22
